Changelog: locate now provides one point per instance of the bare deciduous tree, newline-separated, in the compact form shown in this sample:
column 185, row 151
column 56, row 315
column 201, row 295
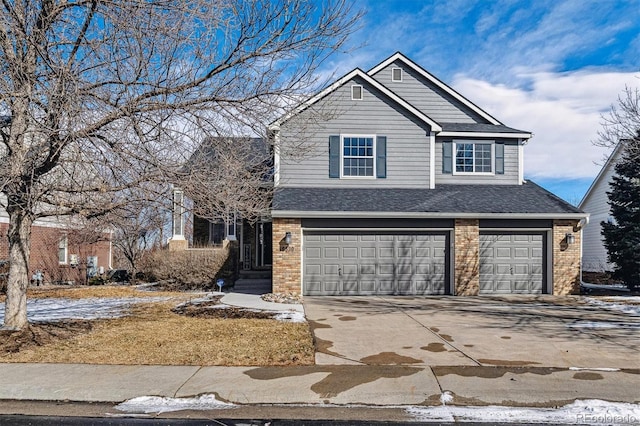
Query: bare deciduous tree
column 622, row 122
column 99, row 96
column 137, row 227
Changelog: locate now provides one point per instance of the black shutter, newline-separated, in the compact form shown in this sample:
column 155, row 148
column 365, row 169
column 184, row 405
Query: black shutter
column 334, row 156
column 447, row 157
column 381, row 156
column 499, row 158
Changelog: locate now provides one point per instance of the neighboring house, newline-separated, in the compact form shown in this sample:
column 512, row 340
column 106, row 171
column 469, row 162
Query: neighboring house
column 406, row 187
column 62, row 253
column 595, row 202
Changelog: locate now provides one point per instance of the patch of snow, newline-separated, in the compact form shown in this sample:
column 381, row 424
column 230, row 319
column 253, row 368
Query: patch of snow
column 615, row 287
column 593, row 369
column 290, row 316
column 93, row 308
column 591, row 411
column 604, row 325
column 616, row 304
column 156, row 404
column 446, row 397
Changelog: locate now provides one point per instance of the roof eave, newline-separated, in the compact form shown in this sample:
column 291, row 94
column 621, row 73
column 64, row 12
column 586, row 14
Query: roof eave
column 425, row 215
column 523, row 135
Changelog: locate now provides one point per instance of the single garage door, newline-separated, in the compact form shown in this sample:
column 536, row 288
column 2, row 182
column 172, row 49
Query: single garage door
column 374, row 263
column 511, row 263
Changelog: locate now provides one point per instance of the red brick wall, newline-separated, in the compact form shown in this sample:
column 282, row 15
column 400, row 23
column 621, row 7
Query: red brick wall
column 44, row 252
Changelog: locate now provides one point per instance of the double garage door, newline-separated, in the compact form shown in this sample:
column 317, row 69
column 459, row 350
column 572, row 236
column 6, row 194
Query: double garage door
column 417, row 263
column 375, row 263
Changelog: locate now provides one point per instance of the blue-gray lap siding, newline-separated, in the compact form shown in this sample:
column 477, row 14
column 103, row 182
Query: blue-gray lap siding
column 375, row 114
column 426, row 96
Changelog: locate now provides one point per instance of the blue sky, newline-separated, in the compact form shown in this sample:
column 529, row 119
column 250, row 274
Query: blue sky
column 549, row 67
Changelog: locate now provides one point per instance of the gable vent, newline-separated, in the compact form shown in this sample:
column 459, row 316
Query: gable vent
column 396, row 74
column 356, row 92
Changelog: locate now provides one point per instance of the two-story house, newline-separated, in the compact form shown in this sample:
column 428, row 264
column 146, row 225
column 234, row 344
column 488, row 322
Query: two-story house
column 390, row 182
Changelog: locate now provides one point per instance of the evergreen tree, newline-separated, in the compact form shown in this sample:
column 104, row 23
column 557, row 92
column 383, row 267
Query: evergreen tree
column 622, row 235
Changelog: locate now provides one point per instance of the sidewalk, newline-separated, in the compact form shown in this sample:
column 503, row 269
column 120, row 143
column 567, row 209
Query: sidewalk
column 337, row 384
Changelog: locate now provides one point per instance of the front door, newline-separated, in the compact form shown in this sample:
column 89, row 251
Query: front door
column 263, row 244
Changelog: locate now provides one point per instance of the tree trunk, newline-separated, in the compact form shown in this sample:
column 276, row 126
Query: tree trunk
column 19, row 234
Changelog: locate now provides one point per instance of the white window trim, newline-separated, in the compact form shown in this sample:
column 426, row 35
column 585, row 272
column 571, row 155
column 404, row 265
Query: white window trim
column 401, row 74
column 353, row 98
column 375, row 171
column 64, row 239
column 231, row 227
column 493, row 157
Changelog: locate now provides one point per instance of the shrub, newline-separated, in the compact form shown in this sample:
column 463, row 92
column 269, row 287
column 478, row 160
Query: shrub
column 186, row 270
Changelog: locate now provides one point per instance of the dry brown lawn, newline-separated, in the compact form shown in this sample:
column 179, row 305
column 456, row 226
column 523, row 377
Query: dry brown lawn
column 153, row 334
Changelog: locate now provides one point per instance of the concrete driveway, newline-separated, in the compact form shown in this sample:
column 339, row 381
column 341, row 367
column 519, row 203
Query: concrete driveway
column 514, row 331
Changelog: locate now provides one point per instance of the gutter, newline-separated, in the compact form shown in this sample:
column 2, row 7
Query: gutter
column 425, row 215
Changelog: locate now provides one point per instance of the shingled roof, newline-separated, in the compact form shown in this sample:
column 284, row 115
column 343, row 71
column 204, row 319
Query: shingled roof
column 527, row 200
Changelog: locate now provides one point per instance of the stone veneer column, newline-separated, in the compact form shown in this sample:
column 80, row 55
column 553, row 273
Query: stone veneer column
column 287, row 261
column 467, row 257
column 566, row 258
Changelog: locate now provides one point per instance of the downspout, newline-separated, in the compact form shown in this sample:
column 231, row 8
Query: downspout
column 432, row 160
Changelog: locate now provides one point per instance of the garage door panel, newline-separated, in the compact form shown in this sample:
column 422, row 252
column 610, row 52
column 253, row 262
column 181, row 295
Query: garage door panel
column 314, row 253
column 424, row 268
column 331, row 269
column 386, row 287
column 403, row 270
column 312, row 270
column 350, row 270
column 404, row 253
column 368, row 252
column 368, row 270
column 386, row 269
column 423, row 252
column 405, row 287
column 369, row 262
column 331, row 253
column 521, row 269
column 511, row 262
column 502, row 253
column 350, row 253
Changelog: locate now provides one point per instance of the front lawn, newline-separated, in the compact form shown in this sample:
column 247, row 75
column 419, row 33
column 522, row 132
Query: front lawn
column 155, row 332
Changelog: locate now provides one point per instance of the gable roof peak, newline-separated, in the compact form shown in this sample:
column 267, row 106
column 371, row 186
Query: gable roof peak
column 436, row 81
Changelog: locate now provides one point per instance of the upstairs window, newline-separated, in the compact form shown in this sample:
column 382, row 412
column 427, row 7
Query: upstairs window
column 473, row 157
column 396, row 74
column 358, row 155
column 356, row 92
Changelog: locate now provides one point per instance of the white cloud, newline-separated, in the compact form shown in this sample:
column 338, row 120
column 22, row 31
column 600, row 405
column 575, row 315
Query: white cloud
column 563, row 110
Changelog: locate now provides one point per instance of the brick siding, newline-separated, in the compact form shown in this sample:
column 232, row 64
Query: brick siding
column 467, row 257
column 287, row 261
column 566, row 258
column 44, row 252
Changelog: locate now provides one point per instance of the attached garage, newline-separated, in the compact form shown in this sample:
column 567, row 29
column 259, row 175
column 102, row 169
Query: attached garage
column 375, row 263
column 512, row 262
